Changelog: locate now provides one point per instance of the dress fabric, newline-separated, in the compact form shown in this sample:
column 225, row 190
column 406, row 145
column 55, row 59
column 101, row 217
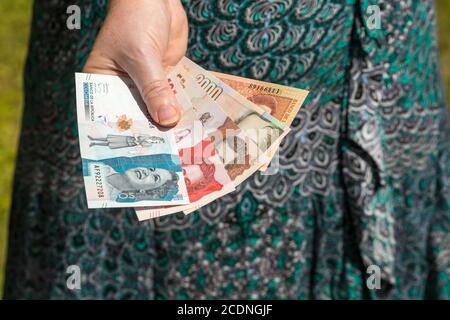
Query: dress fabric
column 363, row 182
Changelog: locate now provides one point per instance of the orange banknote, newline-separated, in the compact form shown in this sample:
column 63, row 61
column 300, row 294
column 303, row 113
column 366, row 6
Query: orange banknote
column 280, row 101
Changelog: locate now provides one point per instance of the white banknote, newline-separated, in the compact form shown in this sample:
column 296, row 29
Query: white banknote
column 127, row 160
column 257, row 130
column 204, row 172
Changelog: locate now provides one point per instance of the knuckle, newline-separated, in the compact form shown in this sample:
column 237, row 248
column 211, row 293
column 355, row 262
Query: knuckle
column 154, row 89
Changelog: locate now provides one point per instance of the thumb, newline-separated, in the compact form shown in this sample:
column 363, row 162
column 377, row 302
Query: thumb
column 149, row 76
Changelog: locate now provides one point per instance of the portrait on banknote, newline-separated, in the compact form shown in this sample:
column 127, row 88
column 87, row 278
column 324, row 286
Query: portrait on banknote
column 133, row 179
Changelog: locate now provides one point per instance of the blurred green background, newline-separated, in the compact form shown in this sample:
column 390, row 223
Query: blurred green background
column 14, row 31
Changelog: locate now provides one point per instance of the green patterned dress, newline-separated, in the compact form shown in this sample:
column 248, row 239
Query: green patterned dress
column 364, row 178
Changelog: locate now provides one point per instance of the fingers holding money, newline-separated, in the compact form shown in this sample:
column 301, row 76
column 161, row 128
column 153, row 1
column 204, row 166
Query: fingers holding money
column 149, row 76
column 139, row 39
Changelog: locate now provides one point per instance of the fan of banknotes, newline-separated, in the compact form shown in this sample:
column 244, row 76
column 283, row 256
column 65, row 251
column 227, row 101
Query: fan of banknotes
column 231, row 127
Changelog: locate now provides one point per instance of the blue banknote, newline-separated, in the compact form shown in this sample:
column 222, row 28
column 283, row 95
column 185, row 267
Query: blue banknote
column 127, row 160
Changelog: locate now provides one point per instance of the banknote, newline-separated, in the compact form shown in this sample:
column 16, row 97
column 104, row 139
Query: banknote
column 198, row 106
column 258, row 129
column 205, row 175
column 282, row 102
column 127, row 161
column 234, row 144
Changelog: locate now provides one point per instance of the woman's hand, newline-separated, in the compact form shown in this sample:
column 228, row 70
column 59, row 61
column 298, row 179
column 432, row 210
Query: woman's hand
column 139, row 38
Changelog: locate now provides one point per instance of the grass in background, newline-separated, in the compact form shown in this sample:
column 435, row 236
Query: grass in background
column 14, row 31
column 443, row 15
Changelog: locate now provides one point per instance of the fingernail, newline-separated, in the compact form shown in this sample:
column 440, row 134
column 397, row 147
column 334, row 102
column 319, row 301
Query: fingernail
column 168, row 115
